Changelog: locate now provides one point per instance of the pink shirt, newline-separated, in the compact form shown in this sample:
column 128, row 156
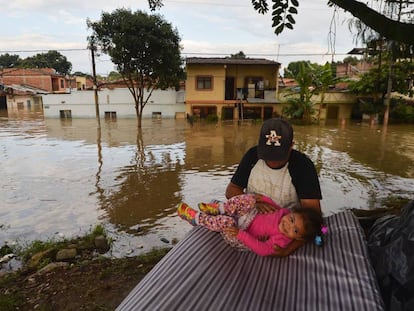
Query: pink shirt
column 265, row 225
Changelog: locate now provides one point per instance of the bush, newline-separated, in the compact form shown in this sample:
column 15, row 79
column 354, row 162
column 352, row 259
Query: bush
column 212, row 118
column 401, row 112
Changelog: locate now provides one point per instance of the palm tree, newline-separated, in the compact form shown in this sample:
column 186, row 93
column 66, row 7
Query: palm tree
column 300, row 104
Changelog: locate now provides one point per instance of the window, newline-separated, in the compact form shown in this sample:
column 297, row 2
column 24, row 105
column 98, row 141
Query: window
column 204, row 83
column 65, row 114
column 62, row 83
column 110, row 115
column 156, row 115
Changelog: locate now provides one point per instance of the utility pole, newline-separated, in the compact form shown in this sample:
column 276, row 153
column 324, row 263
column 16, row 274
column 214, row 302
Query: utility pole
column 95, row 86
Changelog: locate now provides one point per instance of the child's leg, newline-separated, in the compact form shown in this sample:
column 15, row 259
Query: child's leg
column 215, row 223
column 187, row 213
column 239, row 205
column 211, row 208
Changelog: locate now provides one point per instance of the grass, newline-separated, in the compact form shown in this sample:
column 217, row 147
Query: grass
column 89, row 282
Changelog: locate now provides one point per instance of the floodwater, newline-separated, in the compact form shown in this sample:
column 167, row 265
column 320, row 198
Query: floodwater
column 60, row 178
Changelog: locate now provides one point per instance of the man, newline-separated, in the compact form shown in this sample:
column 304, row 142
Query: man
column 273, row 168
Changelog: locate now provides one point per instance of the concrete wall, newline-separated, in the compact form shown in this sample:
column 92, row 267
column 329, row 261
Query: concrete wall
column 41, row 78
column 23, row 103
column 165, row 104
column 336, row 105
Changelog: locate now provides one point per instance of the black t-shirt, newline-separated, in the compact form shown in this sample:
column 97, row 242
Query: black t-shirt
column 301, row 169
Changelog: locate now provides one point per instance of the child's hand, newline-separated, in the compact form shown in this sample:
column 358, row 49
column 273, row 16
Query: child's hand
column 231, row 231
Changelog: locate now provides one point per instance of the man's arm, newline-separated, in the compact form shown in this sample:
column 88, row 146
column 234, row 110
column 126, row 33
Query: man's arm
column 311, row 203
column 233, row 190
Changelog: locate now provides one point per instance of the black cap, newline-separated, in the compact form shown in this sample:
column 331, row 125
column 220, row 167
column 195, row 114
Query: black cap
column 276, row 137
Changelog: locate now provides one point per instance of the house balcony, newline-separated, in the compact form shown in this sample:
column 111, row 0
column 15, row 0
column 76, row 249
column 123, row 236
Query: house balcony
column 255, row 96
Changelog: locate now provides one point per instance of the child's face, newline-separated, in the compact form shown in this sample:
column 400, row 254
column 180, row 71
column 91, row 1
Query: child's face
column 292, row 226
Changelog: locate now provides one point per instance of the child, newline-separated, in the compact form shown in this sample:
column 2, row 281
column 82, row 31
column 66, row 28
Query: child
column 241, row 225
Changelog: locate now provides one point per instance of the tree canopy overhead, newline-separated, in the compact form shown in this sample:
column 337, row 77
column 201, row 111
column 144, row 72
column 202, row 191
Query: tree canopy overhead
column 51, row 59
column 392, row 28
column 145, row 49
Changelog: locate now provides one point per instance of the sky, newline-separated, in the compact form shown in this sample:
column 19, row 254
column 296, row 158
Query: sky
column 208, row 28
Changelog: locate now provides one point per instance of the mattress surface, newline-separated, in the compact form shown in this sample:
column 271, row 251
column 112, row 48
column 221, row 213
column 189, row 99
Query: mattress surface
column 202, row 272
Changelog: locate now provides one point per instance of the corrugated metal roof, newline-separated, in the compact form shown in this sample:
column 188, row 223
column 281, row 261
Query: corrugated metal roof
column 230, row 61
column 23, row 88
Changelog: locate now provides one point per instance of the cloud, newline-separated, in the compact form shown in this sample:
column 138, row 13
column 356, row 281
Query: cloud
column 205, row 26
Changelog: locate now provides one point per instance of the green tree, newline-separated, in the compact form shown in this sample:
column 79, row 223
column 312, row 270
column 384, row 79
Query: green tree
column 284, row 11
column 80, row 74
column 51, row 59
column 401, row 111
column 372, row 87
column 312, row 79
column 9, row 61
column 114, row 76
column 239, row 55
column 145, row 49
column 323, row 79
column 292, row 69
column 351, row 60
column 300, row 105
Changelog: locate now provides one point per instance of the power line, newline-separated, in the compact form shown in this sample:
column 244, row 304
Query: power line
column 264, row 54
column 42, row 50
column 185, row 53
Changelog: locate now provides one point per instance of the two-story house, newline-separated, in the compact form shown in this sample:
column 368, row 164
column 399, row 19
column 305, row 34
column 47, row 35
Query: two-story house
column 231, row 88
column 21, row 89
column 41, row 78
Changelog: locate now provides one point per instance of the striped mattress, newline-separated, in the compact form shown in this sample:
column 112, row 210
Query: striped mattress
column 203, row 273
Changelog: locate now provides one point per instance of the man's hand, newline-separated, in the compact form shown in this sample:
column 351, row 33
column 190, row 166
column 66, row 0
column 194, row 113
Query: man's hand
column 264, row 208
column 233, row 190
column 231, row 231
column 279, row 252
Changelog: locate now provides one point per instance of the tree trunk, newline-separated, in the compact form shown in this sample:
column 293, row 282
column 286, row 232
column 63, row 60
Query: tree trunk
column 390, row 29
column 388, row 97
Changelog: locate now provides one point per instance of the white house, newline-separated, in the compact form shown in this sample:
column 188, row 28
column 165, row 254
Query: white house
column 113, row 103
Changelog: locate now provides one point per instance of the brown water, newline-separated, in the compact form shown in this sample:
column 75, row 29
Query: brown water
column 61, row 178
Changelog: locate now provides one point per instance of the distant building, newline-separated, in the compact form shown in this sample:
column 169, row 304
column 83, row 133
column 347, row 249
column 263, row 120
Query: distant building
column 45, row 79
column 83, row 83
column 231, row 88
column 113, row 103
column 353, row 71
column 17, row 98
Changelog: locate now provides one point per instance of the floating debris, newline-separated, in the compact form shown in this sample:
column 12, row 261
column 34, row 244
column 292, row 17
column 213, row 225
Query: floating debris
column 7, row 258
column 165, row 240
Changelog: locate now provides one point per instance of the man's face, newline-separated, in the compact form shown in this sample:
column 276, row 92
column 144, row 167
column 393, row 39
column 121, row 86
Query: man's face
column 276, row 164
column 279, row 164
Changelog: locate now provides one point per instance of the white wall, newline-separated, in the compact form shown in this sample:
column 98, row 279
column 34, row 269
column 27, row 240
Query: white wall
column 82, row 103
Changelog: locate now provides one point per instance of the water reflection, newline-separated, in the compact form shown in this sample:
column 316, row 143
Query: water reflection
column 67, row 175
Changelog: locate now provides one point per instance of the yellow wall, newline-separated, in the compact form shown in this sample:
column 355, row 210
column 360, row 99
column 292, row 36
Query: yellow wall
column 205, row 102
column 81, row 83
column 218, row 74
